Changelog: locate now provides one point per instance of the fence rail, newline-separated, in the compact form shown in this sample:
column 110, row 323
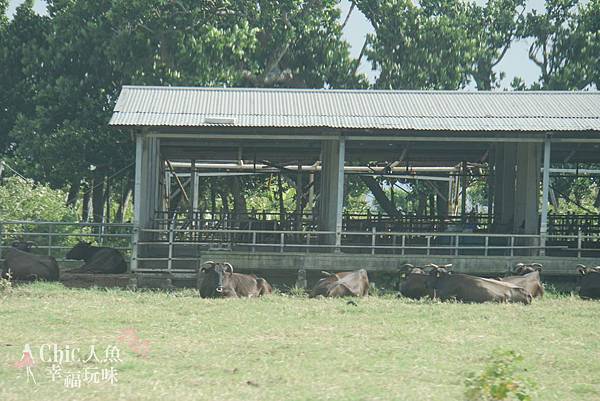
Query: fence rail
column 56, row 238
column 173, row 247
column 166, row 244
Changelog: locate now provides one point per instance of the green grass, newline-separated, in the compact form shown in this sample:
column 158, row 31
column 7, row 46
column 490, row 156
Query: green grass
column 293, row 348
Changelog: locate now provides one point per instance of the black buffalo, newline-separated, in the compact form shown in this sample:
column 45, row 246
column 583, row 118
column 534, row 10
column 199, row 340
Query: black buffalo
column 97, row 259
column 22, row 265
column 218, row 280
column 462, row 287
column 344, row 284
column 589, row 282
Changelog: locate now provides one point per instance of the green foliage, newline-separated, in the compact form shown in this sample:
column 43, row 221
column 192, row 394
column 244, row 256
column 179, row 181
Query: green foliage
column 25, row 200
column 298, row 292
column 440, row 44
column 501, row 379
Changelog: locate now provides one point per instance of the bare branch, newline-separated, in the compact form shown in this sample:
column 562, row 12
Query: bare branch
column 349, row 14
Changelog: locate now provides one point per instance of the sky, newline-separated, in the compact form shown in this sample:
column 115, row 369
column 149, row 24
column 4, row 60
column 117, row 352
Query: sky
column 515, row 63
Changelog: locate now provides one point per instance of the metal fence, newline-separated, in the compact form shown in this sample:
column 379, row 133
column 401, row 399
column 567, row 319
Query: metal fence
column 176, row 249
column 179, row 250
column 56, row 238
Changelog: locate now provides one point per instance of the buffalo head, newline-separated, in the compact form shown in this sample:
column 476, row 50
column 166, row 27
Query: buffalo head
column 216, row 276
column 80, row 251
column 24, row 246
column 522, row 268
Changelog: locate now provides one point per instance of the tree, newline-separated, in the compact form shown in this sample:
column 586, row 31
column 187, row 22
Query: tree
column 88, row 50
column 21, row 40
column 440, row 44
column 558, row 43
column 492, row 29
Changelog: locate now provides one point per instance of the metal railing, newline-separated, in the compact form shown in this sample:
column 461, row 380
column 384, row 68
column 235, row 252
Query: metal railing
column 174, row 249
column 56, row 238
column 167, row 247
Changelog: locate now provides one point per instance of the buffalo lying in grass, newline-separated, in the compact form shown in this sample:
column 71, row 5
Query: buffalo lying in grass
column 528, row 277
column 97, row 259
column 219, row 280
column 22, row 265
column 414, row 280
column 589, row 282
column 462, row 287
column 344, row 284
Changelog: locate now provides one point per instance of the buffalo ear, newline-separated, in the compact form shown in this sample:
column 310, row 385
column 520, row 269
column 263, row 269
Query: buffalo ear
column 537, row 266
column 228, row 267
column 203, row 270
column 581, row 271
column 403, row 275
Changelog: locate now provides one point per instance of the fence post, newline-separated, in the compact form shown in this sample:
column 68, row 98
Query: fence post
column 579, row 243
column 253, row 241
column 281, row 242
column 512, row 246
column 428, row 245
column 373, row 234
column 307, row 241
column 1, row 236
column 456, row 239
column 135, row 235
column 487, row 244
column 403, row 244
column 49, row 239
column 393, row 244
column 170, row 261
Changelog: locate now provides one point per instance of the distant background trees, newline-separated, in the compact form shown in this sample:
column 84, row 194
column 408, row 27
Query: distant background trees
column 62, row 72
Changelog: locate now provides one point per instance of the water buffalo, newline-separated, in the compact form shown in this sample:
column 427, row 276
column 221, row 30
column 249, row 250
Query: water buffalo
column 26, row 266
column 97, row 259
column 219, row 281
column 414, row 284
column 344, row 284
column 462, row 287
column 589, row 282
column 528, row 277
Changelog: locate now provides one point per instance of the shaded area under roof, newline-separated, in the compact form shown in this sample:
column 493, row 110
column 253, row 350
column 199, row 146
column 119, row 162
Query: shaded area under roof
column 141, row 106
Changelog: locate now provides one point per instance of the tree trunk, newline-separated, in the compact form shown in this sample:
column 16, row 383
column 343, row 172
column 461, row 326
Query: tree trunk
column 280, row 195
column 239, row 201
column 73, row 193
column 98, row 200
column 85, row 209
column 124, row 201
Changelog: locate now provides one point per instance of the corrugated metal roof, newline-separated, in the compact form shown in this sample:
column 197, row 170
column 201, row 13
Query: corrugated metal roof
column 367, row 109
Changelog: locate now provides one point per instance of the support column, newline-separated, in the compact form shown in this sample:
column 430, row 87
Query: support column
column 527, row 186
column 147, row 170
column 504, row 187
column 331, row 199
column 545, row 190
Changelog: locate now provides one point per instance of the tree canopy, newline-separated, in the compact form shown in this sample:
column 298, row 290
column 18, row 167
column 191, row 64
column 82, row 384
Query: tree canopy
column 62, row 72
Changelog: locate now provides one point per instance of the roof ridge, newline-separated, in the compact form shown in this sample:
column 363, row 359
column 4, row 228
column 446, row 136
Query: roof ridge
column 370, row 91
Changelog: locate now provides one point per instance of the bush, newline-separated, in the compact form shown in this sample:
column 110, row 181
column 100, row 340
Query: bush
column 25, row 200
column 500, row 380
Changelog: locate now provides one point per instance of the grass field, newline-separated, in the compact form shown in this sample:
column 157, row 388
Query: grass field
column 179, row 347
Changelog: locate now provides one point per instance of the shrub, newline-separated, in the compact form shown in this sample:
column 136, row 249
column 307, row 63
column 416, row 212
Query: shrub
column 501, row 379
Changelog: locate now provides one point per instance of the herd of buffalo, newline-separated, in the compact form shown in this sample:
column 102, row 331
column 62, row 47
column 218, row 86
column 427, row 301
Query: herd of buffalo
column 432, row 281
column 217, row 279
column 23, row 265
